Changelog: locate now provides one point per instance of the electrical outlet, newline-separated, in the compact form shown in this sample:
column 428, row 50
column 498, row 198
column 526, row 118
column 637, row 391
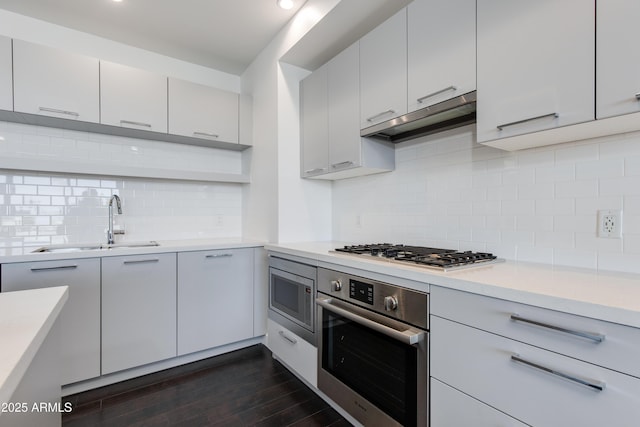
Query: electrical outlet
column 219, row 220
column 610, row 224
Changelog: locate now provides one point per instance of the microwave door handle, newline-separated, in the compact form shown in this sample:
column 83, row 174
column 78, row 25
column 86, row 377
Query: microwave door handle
column 410, row 336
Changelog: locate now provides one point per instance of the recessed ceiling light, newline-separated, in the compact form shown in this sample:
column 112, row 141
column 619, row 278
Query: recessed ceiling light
column 285, row 4
column 117, row 1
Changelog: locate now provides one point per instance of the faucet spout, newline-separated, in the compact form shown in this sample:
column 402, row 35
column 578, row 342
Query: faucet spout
column 110, row 234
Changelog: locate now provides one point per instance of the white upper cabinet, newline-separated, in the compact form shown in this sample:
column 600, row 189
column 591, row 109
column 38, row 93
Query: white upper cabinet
column 442, row 60
column 132, row 98
column 205, row 112
column 383, row 71
column 536, row 63
column 6, row 75
column 618, row 59
column 55, row 83
column 315, row 131
column 344, row 106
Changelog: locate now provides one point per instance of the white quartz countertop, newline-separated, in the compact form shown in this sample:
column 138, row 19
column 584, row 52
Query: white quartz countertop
column 609, row 296
column 26, row 318
column 164, row 246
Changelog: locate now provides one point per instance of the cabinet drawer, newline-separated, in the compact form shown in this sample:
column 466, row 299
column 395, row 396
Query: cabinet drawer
column 481, row 364
column 619, row 350
column 292, row 350
column 452, row 408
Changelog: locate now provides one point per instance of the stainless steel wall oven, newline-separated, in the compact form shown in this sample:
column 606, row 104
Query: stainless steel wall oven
column 373, row 349
column 292, row 289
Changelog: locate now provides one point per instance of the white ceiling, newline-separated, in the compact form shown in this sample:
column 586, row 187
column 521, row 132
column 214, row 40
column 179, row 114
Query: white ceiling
column 222, row 34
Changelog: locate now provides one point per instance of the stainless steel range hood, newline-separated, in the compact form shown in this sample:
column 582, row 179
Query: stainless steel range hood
column 443, row 116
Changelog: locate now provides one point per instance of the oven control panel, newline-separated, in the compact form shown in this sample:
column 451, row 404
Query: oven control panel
column 361, row 291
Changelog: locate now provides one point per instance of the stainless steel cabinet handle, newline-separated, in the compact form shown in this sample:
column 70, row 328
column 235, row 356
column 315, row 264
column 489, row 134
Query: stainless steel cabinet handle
column 384, row 113
column 140, row 261
column 210, row 135
column 60, row 267
column 410, row 336
column 342, row 164
column 54, row 110
column 218, row 255
column 129, row 122
column 586, row 382
column 314, row 170
column 519, row 122
column 595, row 337
column 291, row 340
column 438, row 92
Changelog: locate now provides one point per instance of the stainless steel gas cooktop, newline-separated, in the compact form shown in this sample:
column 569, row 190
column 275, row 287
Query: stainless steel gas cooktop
column 433, row 258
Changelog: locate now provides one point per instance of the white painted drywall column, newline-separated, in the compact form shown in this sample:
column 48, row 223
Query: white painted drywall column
column 278, row 205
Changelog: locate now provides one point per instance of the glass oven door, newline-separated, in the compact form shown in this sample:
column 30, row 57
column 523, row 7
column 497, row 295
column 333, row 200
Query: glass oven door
column 389, row 374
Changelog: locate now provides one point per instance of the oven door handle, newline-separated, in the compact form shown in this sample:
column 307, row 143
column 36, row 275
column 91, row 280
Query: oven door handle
column 409, row 336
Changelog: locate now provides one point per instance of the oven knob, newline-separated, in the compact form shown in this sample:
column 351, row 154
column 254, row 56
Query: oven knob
column 390, row 303
column 336, row 285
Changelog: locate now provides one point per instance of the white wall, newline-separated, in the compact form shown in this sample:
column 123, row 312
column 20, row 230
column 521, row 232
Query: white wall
column 536, row 205
column 278, row 205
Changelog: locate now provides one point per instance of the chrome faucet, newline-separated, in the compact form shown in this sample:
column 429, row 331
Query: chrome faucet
column 110, row 239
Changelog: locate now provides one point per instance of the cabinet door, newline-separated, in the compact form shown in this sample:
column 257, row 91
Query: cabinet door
column 6, row 74
column 80, row 318
column 215, row 298
column 536, row 64
column 138, row 310
column 442, row 61
column 200, row 111
column 343, row 109
column 451, row 408
column 132, row 98
column 617, row 61
column 55, row 83
column 315, row 133
column 383, row 71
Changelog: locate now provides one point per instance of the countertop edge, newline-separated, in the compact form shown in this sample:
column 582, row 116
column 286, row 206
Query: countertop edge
column 478, row 281
column 54, row 300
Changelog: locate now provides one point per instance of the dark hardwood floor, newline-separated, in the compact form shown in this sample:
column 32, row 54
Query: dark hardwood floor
column 243, row 388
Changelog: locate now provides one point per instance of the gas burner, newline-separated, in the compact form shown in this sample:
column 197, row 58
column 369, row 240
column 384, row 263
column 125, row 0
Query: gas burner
column 435, row 258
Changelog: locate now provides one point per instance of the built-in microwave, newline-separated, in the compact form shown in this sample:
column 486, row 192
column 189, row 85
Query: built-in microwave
column 292, row 289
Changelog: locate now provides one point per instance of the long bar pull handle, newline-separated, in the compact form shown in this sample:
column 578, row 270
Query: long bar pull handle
column 438, row 92
column 314, row 170
column 60, row 267
column 384, row 113
column 410, row 336
column 291, row 340
column 519, row 122
column 210, row 135
column 140, row 261
column 55, row 110
column 225, row 255
column 342, row 164
column 595, row 337
column 129, row 122
column 586, row 382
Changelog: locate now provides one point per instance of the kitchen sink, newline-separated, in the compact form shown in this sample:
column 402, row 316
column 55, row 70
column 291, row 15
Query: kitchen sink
column 92, row 247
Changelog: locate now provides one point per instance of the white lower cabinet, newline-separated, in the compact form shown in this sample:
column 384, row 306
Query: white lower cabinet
column 215, row 298
column 138, row 310
column 293, row 351
column 452, row 408
column 533, row 385
column 80, row 318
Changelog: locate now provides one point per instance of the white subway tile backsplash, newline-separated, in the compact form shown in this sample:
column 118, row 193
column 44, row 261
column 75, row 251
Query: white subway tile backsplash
column 44, row 208
column 536, row 205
